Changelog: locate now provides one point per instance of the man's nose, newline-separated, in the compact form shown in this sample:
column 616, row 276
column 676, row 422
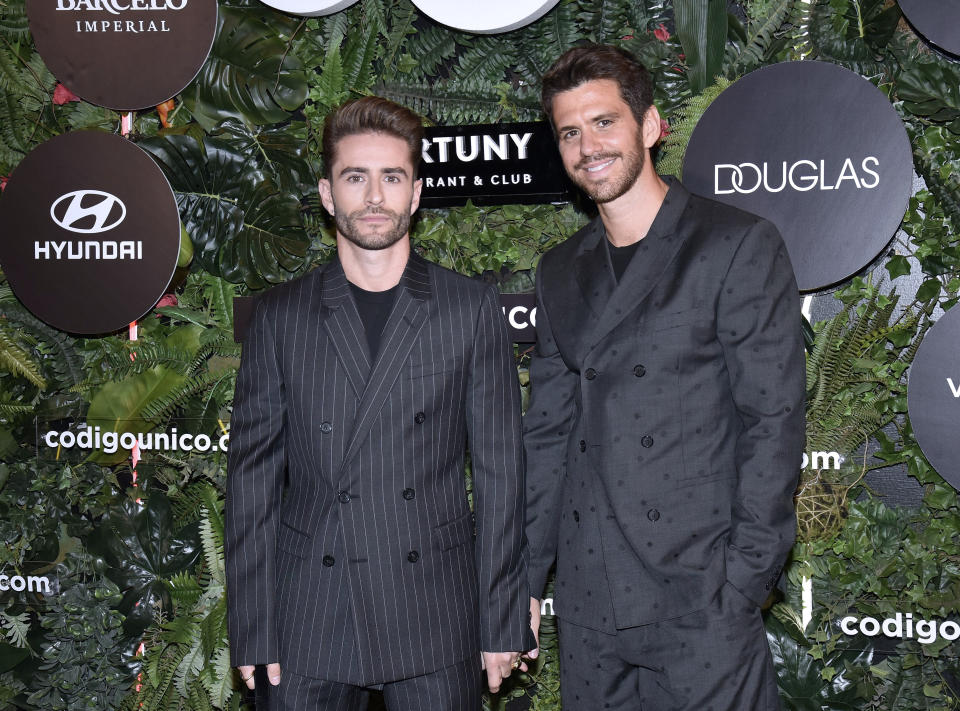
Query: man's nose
column 589, row 143
column 374, row 193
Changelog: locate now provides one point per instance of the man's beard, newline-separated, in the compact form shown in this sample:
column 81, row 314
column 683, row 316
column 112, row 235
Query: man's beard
column 349, row 226
column 616, row 185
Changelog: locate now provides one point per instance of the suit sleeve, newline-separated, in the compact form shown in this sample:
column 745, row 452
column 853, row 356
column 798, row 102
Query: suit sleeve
column 546, row 431
column 758, row 322
column 254, row 486
column 493, row 428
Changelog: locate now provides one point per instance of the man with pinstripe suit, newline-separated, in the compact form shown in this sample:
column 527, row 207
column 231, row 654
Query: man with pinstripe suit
column 353, row 559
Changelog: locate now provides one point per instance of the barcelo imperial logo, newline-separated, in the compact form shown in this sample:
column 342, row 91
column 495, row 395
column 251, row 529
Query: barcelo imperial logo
column 115, row 7
column 101, row 213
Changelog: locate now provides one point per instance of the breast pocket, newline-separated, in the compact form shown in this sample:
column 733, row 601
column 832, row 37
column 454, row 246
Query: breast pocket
column 432, row 368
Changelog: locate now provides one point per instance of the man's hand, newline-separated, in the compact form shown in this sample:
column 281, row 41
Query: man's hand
column 499, row 666
column 246, row 673
column 535, row 626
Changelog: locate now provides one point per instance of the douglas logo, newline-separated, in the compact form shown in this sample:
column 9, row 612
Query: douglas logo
column 106, row 212
column 803, row 175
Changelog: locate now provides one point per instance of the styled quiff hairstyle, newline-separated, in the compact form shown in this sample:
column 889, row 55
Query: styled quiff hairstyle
column 371, row 114
column 599, row 61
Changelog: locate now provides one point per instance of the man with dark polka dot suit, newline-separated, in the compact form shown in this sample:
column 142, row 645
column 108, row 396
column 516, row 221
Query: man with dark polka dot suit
column 665, row 428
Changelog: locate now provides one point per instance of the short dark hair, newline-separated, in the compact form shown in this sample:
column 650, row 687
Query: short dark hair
column 599, row 61
column 372, row 114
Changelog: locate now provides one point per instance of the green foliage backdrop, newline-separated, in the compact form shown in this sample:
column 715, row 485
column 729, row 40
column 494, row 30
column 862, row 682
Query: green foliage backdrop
column 240, row 148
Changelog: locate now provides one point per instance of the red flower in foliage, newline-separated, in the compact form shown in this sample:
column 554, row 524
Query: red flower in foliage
column 62, row 95
column 166, row 300
column 664, row 128
column 627, row 37
column 661, row 33
column 3, row 182
column 164, row 110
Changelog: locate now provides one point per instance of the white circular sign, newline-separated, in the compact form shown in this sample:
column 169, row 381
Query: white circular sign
column 309, row 8
column 485, row 16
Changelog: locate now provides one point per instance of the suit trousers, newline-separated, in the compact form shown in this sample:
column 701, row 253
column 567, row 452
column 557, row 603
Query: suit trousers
column 715, row 659
column 457, row 687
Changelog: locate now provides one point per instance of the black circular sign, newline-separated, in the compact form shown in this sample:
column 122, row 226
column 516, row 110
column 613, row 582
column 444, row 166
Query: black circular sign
column 124, row 54
column 90, row 232
column 816, row 149
column 933, row 396
column 937, row 20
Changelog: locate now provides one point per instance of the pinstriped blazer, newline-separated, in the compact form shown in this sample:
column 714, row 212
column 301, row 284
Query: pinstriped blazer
column 351, row 551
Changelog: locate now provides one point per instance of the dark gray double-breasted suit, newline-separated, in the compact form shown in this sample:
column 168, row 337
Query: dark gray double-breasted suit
column 352, row 554
column 665, row 428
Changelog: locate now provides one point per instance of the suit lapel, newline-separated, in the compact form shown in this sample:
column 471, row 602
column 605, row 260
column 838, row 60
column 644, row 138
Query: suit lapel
column 654, row 254
column 344, row 327
column 400, row 333
column 592, row 268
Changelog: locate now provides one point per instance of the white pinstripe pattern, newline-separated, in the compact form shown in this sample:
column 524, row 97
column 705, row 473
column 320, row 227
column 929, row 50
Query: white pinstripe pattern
column 405, row 589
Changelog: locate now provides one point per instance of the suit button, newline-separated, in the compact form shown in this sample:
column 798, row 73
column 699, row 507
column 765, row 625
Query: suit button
column 653, row 515
column 590, row 374
column 408, row 494
column 646, row 441
column 413, row 556
column 419, row 418
column 576, row 516
column 583, row 446
column 639, row 371
column 344, row 497
column 326, row 427
column 329, row 560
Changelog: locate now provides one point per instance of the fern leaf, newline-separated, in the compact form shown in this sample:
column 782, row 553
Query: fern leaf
column 189, row 667
column 430, row 48
column 18, row 361
column 603, row 20
column 761, row 36
column 17, row 628
column 218, row 679
column 675, row 145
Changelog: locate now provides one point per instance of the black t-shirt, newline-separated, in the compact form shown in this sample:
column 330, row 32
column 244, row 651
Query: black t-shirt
column 620, row 257
column 374, row 308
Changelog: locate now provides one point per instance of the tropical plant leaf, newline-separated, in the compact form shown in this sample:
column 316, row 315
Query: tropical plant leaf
column 121, row 406
column 250, row 74
column 17, row 360
column 142, row 549
column 243, row 227
column 702, row 28
column 279, row 151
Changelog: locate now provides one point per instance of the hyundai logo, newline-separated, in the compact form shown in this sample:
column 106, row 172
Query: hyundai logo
column 101, row 210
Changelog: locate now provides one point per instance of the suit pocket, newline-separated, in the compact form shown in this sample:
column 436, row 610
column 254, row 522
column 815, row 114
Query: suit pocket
column 668, row 321
column 454, row 533
column 292, row 541
column 424, row 369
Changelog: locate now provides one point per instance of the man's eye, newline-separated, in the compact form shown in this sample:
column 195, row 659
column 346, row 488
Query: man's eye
column 604, row 122
column 570, row 134
column 392, row 179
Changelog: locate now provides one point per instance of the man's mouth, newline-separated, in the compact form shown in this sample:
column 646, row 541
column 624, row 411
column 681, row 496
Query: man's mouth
column 598, row 167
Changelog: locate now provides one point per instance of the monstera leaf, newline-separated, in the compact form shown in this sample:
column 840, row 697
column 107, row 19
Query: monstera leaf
column 243, row 226
column 932, row 90
column 250, row 73
column 280, row 151
column 140, row 548
column 801, row 677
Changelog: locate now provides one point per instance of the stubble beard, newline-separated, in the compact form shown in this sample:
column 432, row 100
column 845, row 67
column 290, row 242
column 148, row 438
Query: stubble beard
column 615, row 186
column 349, row 226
